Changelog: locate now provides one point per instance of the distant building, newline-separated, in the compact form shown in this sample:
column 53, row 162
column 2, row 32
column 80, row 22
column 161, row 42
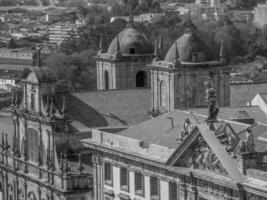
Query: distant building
column 260, row 14
column 12, row 63
column 212, row 3
column 60, row 32
column 124, row 65
column 178, row 80
column 147, row 17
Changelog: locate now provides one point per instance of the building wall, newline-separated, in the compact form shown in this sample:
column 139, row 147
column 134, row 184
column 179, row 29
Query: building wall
column 185, row 87
column 260, row 14
column 121, row 74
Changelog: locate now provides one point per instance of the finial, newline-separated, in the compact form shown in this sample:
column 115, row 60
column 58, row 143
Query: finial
column 222, row 52
column 131, row 18
column 188, row 24
column 61, row 162
column 176, row 54
column 156, row 51
column 81, row 168
column 63, row 110
column 38, row 56
column 14, row 145
column 3, row 142
column 47, row 105
column 100, row 44
column 52, row 109
column 160, row 44
column 7, row 145
column 118, row 48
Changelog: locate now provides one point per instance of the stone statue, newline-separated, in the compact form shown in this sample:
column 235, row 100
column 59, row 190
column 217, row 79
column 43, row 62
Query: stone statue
column 187, row 128
column 211, row 99
column 246, row 145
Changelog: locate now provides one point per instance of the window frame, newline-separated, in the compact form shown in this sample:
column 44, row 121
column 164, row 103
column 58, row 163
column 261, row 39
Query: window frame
column 108, row 182
column 152, row 196
column 141, row 192
column 171, row 183
column 124, row 187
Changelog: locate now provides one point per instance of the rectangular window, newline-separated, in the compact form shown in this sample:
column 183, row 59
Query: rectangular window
column 108, row 173
column 173, row 194
column 124, row 177
column 139, row 183
column 154, row 187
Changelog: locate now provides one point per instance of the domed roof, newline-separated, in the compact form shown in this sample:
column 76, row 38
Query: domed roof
column 131, row 41
column 189, row 48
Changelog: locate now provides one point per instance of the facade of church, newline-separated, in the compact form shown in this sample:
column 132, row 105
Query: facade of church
column 38, row 161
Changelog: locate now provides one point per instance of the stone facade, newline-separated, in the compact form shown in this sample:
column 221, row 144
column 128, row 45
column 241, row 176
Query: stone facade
column 127, row 73
column 178, row 81
column 35, row 163
column 124, row 65
column 126, row 167
column 184, row 87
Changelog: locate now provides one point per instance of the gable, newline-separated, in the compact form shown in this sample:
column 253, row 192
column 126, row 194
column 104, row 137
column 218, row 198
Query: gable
column 209, row 150
column 199, row 155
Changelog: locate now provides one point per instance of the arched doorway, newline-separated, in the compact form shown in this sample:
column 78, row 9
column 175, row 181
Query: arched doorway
column 141, row 79
column 106, row 80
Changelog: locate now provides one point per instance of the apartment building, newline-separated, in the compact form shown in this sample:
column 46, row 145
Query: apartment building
column 60, row 32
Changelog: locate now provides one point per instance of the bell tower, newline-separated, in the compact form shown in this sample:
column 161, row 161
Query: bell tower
column 178, row 81
column 124, row 65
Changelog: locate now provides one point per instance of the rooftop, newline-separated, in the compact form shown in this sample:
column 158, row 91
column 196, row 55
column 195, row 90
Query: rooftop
column 111, row 108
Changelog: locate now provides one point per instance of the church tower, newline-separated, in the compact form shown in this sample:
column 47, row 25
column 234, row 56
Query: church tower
column 37, row 160
column 124, row 65
column 177, row 82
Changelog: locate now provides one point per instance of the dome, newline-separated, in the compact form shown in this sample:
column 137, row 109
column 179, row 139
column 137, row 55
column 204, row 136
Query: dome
column 189, row 48
column 131, row 41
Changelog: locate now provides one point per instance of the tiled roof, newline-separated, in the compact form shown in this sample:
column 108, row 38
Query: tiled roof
column 159, row 130
column 114, row 108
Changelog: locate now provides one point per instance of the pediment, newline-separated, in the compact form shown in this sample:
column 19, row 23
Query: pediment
column 199, row 155
column 209, row 150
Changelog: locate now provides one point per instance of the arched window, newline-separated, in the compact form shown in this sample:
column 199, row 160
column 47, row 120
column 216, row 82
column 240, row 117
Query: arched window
column 106, row 80
column 162, row 93
column 141, row 79
column 32, row 144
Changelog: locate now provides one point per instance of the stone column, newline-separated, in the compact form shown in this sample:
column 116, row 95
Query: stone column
column 97, row 165
column 25, row 191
